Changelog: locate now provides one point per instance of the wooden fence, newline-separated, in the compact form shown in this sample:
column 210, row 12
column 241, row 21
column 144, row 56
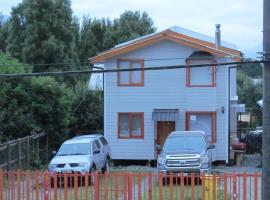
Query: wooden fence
column 37, row 185
column 23, row 152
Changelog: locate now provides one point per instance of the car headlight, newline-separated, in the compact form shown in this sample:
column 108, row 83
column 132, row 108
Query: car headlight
column 52, row 166
column 204, row 162
column 83, row 164
column 161, row 161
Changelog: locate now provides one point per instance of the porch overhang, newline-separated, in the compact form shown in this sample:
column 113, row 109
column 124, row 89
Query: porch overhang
column 165, row 114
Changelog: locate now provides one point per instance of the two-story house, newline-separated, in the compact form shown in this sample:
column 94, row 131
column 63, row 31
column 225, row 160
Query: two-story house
column 142, row 107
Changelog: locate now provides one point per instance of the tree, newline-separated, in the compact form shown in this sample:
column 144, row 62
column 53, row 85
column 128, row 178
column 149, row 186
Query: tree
column 131, row 25
column 4, row 23
column 30, row 105
column 97, row 35
column 42, row 31
column 249, row 93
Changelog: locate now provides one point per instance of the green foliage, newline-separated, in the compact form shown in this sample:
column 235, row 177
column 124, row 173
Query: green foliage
column 97, row 35
column 42, row 31
column 253, row 70
column 88, row 111
column 249, row 93
column 132, row 25
column 4, row 24
column 30, row 105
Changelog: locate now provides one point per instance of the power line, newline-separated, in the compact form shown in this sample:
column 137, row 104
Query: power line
column 68, row 73
column 105, row 62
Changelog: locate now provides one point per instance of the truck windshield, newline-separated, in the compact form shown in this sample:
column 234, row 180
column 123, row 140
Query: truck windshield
column 74, row 149
column 181, row 143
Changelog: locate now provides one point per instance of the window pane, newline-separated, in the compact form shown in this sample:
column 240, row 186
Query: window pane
column 201, row 75
column 124, row 76
column 136, row 125
column 201, row 122
column 124, row 126
column 136, row 75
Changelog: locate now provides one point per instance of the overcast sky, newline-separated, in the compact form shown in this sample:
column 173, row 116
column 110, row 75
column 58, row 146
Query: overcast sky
column 241, row 20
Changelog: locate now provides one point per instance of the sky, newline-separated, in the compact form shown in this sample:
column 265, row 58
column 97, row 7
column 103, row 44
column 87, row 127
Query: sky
column 241, row 20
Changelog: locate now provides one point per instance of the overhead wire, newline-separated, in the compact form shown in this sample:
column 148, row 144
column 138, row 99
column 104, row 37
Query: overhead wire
column 75, row 72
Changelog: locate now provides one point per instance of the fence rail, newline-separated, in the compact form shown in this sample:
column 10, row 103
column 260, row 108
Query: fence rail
column 29, row 185
column 20, row 153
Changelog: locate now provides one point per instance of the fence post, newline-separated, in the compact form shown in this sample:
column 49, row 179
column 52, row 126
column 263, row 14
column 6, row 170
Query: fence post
column 28, row 151
column 192, row 186
column 86, row 183
column 75, row 185
column 234, row 187
column 225, row 187
column 1, row 185
column 255, row 186
column 171, row 186
column 27, row 184
column 46, row 185
column 244, row 186
column 203, row 186
column 37, row 185
column 150, row 185
column 96, row 185
column 65, row 186
column 160, row 186
column 139, row 186
column 19, row 184
column 106, row 190
column 130, row 187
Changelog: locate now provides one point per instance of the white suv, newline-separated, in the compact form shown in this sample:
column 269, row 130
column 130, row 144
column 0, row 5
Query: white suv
column 82, row 154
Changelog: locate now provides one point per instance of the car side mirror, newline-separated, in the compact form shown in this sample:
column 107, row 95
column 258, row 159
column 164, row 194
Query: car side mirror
column 96, row 151
column 158, row 147
column 53, row 153
column 211, row 146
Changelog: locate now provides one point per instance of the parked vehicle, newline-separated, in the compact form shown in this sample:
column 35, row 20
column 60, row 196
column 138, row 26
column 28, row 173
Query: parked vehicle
column 253, row 141
column 187, row 152
column 82, row 154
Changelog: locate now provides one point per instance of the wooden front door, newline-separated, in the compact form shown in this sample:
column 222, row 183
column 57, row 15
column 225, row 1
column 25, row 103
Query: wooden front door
column 163, row 130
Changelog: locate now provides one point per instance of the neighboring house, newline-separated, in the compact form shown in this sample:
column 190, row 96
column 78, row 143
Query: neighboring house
column 142, row 107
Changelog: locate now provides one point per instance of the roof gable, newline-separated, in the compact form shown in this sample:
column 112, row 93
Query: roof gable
column 175, row 34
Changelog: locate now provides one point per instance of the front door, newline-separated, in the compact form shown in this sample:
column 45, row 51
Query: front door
column 163, row 130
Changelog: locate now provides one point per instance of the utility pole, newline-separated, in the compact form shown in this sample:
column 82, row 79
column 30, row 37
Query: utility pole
column 266, row 103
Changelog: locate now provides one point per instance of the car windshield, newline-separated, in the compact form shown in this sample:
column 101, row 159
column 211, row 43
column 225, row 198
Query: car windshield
column 181, row 143
column 74, row 149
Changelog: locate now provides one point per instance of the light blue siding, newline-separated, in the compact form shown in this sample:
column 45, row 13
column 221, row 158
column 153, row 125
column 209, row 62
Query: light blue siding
column 163, row 89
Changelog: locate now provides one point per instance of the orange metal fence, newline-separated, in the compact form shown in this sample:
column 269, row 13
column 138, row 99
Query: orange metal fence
column 29, row 185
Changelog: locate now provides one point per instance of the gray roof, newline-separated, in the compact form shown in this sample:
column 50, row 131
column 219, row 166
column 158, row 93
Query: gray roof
column 186, row 32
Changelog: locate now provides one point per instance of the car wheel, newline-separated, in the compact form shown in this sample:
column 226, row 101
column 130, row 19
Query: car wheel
column 106, row 166
column 91, row 177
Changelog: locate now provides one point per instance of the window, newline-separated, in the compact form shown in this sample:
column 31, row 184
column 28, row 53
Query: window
column 130, row 125
column 98, row 144
column 130, row 78
column 103, row 141
column 202, row 121
column 200, row 76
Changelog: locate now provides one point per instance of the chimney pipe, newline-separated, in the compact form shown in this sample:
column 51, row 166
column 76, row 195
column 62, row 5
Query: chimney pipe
column 217, row 36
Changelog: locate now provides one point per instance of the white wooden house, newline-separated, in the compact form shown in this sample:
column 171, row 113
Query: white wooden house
column 142, row 107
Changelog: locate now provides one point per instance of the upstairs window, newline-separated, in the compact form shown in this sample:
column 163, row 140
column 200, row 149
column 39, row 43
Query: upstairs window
column 130, row 78
column 200, row 76
column 130, row 125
